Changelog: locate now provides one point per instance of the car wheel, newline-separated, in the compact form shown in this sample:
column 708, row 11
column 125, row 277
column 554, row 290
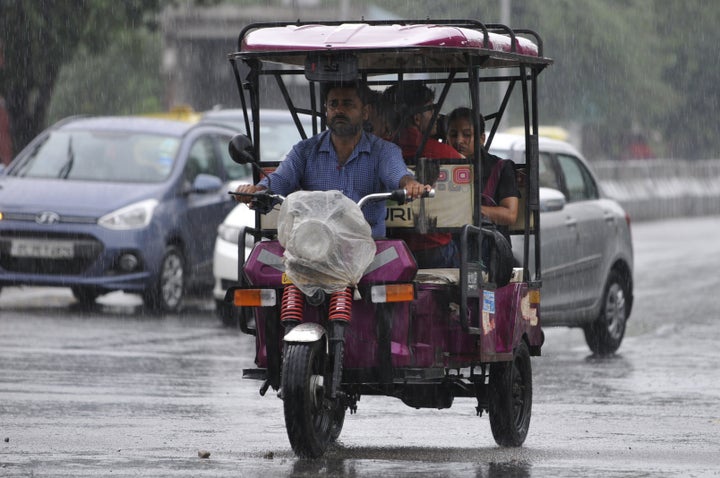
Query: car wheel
column 167, row 293
column 228, row 314
column 605, row 334
column 85, row 295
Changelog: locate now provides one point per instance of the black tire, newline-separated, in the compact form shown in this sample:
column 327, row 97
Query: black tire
column 510, row 398
column 85, row 295
column 338, row 420
column 606, row 333
column 167, row 294
column 309, row 425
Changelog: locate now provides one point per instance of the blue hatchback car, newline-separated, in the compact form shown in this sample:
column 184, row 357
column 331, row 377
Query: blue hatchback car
column 117, row 203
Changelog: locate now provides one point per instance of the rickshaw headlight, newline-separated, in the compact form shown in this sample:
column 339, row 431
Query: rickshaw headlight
column 312, row 240
column 255, row 297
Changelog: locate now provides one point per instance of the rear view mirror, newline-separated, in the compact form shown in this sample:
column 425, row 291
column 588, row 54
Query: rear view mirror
column 241, row 149
column 331, row 68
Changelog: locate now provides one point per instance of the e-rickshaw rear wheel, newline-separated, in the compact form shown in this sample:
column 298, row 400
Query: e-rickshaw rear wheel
column 510, row 398
column 311, row 425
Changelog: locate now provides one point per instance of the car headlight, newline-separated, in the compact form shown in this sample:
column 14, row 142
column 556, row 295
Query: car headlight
column 229, row 233
column 134, row 216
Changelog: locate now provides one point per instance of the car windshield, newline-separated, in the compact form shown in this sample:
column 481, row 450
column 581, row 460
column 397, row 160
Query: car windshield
column 116, row 156
column 277, row 140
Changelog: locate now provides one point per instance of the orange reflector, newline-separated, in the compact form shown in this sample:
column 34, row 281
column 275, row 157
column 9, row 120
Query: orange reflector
column 254, row 297
column 392, row 293
column 534, row 296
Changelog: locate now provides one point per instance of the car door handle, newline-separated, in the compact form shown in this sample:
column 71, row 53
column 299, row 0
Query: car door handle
column 609, row 217
column 571, row 222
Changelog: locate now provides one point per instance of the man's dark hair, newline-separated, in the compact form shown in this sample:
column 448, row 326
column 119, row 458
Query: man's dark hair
column 408, row 98
column 363, row 91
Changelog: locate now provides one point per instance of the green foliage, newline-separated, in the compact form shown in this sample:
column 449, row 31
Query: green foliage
column 39, row 37
column 608, row 67
column 125, row 79
column 689, row 31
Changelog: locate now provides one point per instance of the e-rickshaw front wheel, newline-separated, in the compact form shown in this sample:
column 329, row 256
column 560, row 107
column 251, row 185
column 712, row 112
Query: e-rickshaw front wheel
column 510, row 398
column 311, row 425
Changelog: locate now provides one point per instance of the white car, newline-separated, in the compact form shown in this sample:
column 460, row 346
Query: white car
column 225, row 258
column 276, row 124
column 587, row 254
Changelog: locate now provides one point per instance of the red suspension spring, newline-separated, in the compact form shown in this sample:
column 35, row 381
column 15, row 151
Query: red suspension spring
column 341, row 305
column 292, row 305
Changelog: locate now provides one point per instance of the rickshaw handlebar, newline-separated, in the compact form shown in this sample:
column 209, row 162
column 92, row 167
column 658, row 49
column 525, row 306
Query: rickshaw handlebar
column 399, row 195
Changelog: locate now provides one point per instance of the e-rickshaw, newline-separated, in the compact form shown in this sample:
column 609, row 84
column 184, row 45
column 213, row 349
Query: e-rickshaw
column 325, row 336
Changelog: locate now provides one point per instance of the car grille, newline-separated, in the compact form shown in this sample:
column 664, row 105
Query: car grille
column 86, row 250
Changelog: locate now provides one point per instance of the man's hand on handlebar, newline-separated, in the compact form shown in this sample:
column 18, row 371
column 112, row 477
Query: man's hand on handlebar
column 414, row 189
column 244, row 191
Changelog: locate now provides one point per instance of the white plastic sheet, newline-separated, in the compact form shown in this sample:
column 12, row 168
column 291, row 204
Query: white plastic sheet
column 328, row 243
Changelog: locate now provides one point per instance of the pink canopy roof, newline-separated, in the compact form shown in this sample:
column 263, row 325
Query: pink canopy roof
column 364, row 36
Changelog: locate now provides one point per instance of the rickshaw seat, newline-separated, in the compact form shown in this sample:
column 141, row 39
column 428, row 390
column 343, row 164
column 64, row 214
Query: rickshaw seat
column 449, row 276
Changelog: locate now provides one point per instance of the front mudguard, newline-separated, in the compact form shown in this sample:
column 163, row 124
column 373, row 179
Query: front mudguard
column 307, row 332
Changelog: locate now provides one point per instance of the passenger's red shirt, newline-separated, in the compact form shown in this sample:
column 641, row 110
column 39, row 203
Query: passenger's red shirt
column 409, row 141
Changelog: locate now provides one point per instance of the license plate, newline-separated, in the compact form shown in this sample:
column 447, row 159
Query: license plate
column 42, row 249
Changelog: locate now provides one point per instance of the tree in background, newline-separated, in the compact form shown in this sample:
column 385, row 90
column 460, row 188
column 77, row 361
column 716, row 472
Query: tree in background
column 125, row 79
column 690, row 34
column 41, row 36
column 608, row 70
column 622, row 68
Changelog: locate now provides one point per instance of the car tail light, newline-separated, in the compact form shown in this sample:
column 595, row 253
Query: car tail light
column 392, row 293
column 254, row 297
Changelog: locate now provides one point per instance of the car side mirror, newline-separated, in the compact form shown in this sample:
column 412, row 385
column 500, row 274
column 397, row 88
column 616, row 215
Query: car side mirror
column 206, row 183
column 241, row 149
column 551, row 200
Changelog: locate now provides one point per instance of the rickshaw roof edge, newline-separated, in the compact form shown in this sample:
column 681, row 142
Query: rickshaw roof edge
column 286, row 42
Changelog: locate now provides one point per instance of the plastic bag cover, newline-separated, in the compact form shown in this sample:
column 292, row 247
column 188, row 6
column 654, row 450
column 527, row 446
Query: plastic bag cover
column 328, row 243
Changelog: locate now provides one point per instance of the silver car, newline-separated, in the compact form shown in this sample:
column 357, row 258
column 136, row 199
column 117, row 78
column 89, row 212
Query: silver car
column 587, row 254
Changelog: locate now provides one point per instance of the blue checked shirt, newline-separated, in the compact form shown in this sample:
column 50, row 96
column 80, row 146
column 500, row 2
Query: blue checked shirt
column 374, row 166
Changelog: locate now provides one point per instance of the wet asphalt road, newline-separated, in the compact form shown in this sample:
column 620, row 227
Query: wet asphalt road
column 113, row 392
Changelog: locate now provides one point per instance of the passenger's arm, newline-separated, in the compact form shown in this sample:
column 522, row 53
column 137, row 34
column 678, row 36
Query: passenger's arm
column 503, row 214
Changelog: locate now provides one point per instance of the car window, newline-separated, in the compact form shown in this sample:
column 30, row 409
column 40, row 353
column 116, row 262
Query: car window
column 277, row 139
column 578, row 181
column 234, row 170
column 115, row 156
column 548, row 177
column 201, row 159
column 277, row 134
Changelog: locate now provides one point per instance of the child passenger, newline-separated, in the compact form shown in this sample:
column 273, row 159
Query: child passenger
column 500, row 191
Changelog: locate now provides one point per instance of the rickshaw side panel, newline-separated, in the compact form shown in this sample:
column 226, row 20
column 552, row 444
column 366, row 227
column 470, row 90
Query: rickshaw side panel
column 393, row 262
